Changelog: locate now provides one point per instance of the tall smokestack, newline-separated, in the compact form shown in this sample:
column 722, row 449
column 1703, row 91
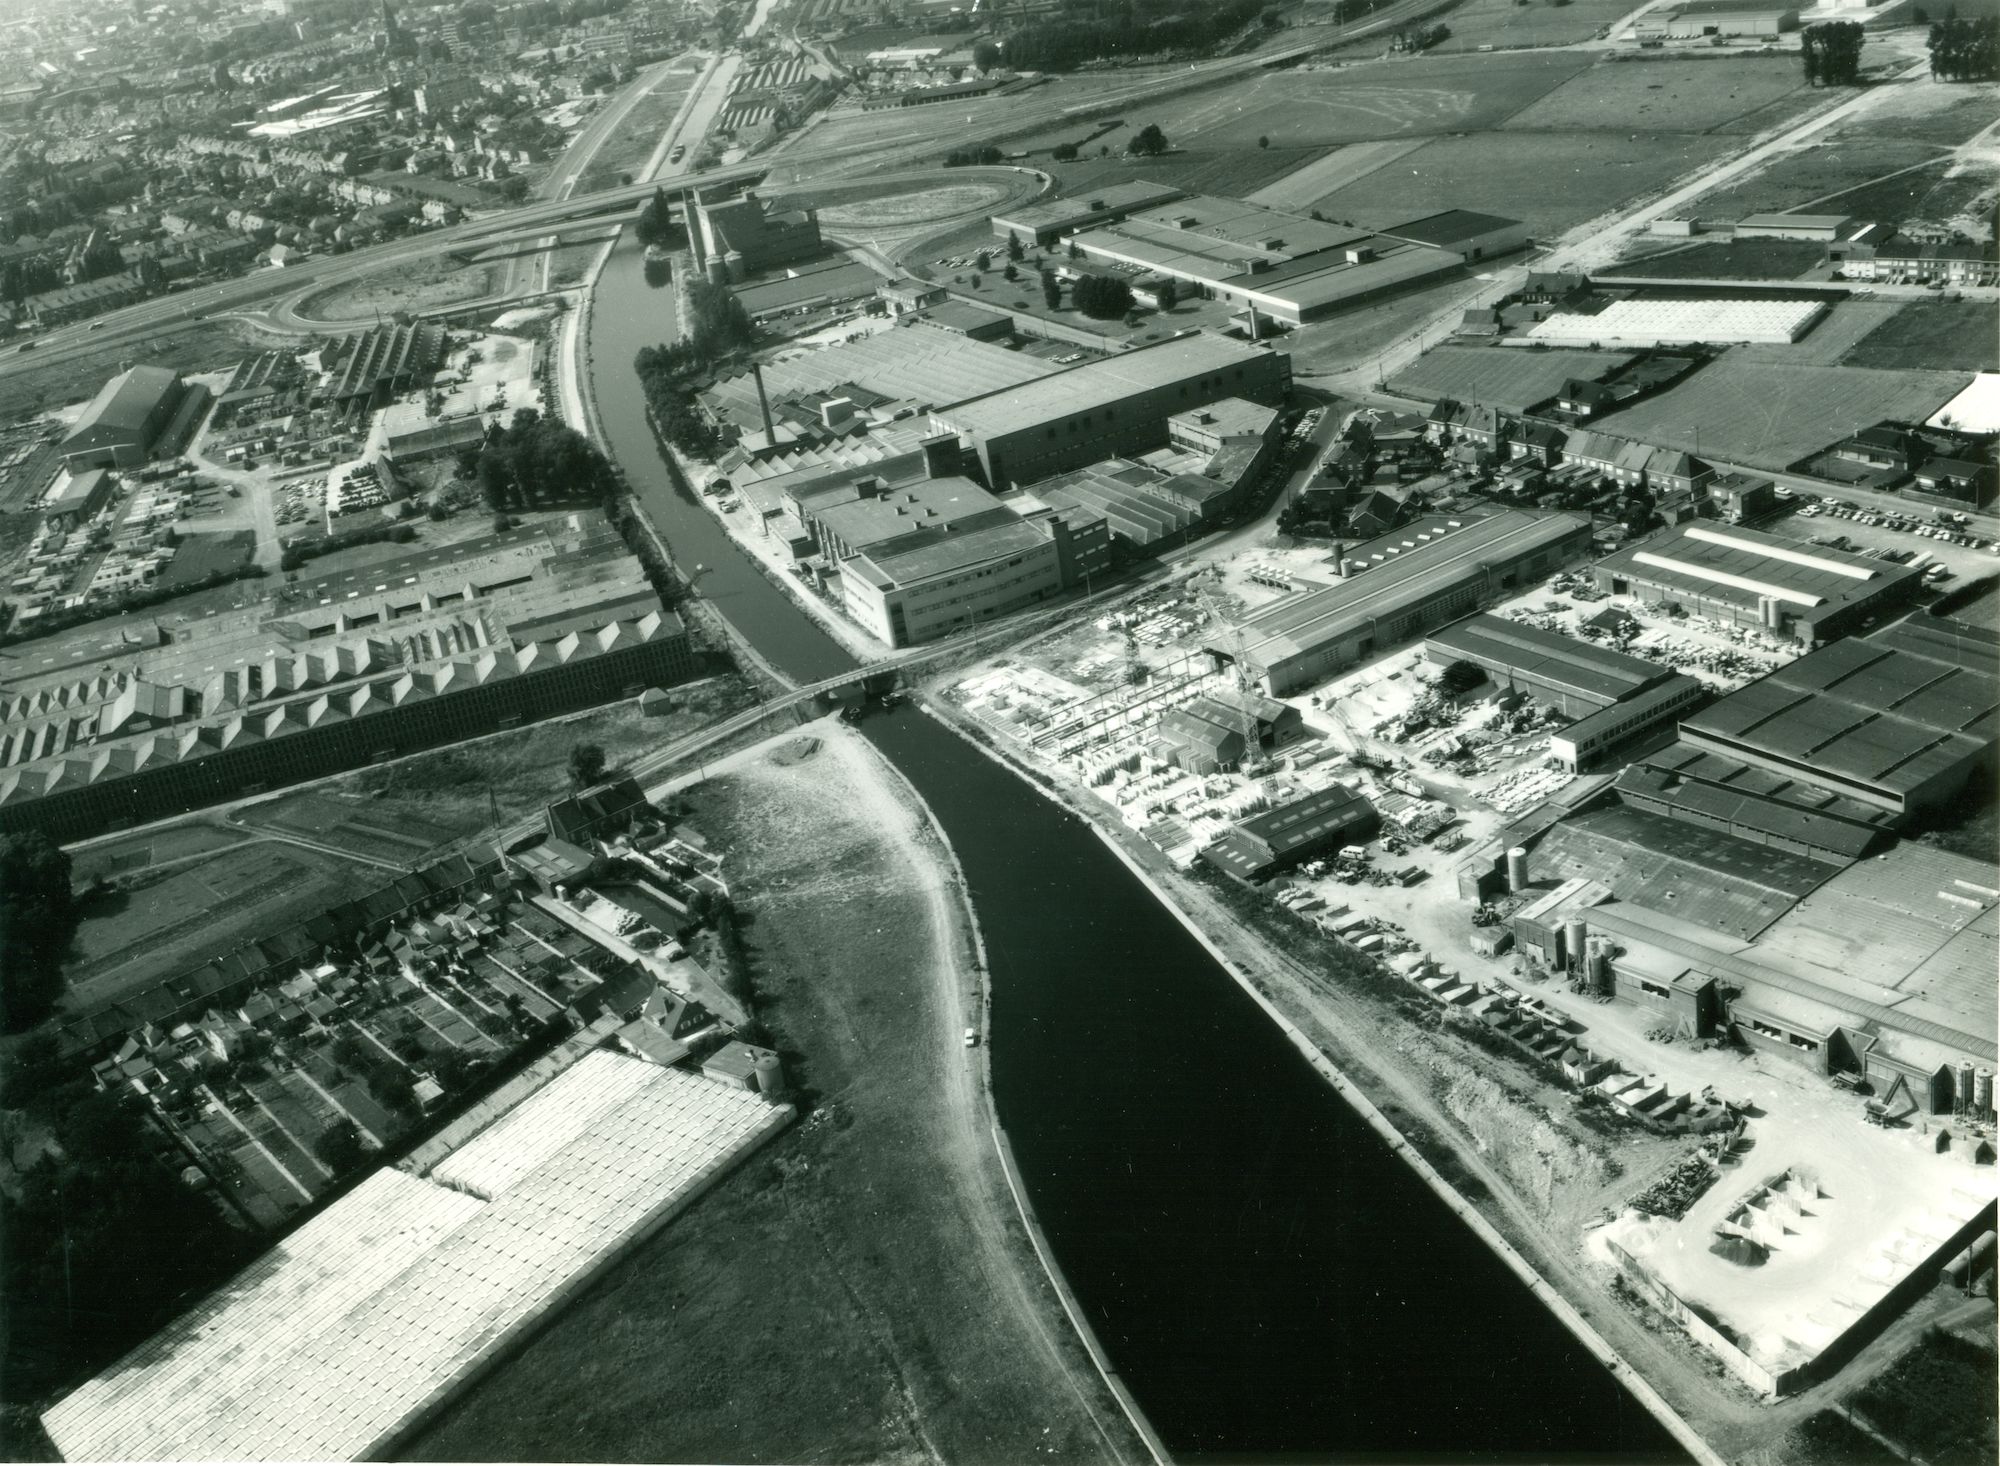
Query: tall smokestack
column 1256, row 325
column 764, row 402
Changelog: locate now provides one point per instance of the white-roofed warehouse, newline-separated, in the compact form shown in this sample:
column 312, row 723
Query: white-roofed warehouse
column 348, row 1333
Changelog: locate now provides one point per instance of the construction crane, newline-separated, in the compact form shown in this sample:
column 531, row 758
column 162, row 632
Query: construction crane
column 1228, row 636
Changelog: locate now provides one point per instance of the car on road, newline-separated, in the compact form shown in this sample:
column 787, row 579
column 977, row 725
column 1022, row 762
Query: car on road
column 972, row 1038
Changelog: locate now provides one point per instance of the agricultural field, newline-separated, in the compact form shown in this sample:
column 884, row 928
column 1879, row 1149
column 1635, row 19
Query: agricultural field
column 1749, row 259
column 1232, row 172
column 1552, row 182
column 1931, row 335
column 1509, row 377
column 1743, row 94
column 1866, row 176
column 1761, row 414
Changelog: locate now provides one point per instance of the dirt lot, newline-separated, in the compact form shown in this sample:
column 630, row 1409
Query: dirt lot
column 420, row 286
column 207, row 347
column 1750, row 259
column 861, row 1291
column 1932, row 335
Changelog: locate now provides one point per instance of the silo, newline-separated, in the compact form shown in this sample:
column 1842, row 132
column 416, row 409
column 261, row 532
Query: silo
column 769, row 1073
column 1575, row 934
column 1982, row 1091
column 1966, row 1090
column 1600, row 966
column 1517, row 868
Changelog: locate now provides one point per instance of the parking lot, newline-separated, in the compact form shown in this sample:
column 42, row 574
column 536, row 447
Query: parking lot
column 1915, row 535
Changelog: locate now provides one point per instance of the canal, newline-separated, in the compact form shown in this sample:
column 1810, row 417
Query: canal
column 1272, row 1281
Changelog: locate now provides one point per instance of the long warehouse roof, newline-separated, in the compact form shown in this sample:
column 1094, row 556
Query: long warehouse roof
column 1101, row 383
column 1299, row 623
column 1742, row 565
column 1568, row 662
column 350, row 1330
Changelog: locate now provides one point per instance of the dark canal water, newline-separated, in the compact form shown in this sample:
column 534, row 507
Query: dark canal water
column 1270, row 1279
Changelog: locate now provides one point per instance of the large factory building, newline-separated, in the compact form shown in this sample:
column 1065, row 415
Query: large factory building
column 1809, row 594
column 1309, row 635
column 1114, row 407
column 1903, row 720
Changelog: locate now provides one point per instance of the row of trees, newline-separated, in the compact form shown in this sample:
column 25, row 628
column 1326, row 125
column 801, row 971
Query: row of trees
column 973, row 157
column 1124, row 28
column 1965, row 50
column 717, row 328
column 1831, row 53
column 1101, row 297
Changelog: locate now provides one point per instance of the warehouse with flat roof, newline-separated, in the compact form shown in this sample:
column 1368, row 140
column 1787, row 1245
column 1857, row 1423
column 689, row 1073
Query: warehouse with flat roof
column 1115, row 406
column 1903, row 720
column 341, row 1340
column 124, row 420
column 1746, row 578
column 1307, row 636
column 1044, row 223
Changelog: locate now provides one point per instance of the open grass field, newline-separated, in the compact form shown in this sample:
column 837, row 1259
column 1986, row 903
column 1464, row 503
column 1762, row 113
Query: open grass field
column 1553, row 181
column 859, row 1291
column 1932, row 335
column 1844, row 169
column 131, row 938
column 1754, row 412
column 1723, row 94
column 205, row 554
column 1749, row 259
column 1228, row 171
column 397, row 835
column 1937, row 1401
column 638, row 133
column 1506, row 23
column 418, row 286
column 1513, row 378
column 1948, row 113
column 159, row 846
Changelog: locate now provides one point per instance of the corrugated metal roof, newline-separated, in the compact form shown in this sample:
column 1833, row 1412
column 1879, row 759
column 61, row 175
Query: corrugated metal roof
column 1568, row 662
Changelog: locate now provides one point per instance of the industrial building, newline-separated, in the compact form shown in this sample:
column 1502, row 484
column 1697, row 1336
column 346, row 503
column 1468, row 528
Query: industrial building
column 1289, row 267
column 1447, row 570
column 1590, row 739
column 739, row 237
column 366, row 369
column 1883, row 971
column 78, row 496
column 914, row 551
column 1903, row 720
column 1114, row 406
column 1043, row 224
column 1224, row 729
column 1312, row 824
column 332, row 673
column 1705, row 18
column 339, row 1343
column 1703, row 788
column 1808, row 594
column 125, row 421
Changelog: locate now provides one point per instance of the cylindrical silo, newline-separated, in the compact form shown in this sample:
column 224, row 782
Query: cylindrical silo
column 1575, row 934
column 1978, row 1258
column 1517, row 868
column 1982, row 1091
column 1967, row 1092
column 769, row 1072
column 1600, row 966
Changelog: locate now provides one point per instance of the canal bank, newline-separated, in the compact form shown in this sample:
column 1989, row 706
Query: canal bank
column 1264, row 1272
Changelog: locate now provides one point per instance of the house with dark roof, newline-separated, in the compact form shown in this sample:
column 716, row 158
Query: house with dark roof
column 604, row 810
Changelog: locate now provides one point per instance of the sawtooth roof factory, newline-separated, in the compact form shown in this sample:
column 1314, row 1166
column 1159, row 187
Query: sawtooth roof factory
column 336, row 672
column 1395, row 588
column 1746, row 578
column 1291, row 268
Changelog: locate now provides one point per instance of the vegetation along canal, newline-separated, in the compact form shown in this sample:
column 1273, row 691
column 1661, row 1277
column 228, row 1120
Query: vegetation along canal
column 1267, row 1275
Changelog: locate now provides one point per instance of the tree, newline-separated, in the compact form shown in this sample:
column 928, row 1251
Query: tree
column 983, row 261
column 1264, row 140
column 1064, row 152
column 985, row 55
column 655, row 224
column 1010, row 274
column 1015, row 252
column 1965, row 50
column 1830, row 52
column 1147, row 142
column 37, row 919
column 1460, row 677
column 1102, row 297
column 586, row 764
column 339, row 1147
column 1051, row 291
column 1168, row 293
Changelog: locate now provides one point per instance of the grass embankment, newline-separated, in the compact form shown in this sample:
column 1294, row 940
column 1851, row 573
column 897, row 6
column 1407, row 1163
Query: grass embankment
column 861, row 1291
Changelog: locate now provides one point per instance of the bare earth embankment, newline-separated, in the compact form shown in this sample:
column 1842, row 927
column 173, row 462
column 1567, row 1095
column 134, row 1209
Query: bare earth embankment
column 862, row 1290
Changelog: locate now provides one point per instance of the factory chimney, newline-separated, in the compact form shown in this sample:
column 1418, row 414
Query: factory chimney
column 764, row 403
column 1256, row 325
